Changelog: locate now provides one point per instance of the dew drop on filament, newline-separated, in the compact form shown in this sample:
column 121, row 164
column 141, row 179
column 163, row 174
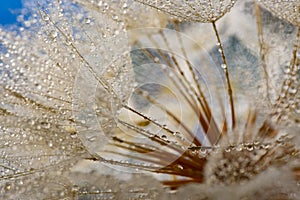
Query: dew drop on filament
column 223, row 66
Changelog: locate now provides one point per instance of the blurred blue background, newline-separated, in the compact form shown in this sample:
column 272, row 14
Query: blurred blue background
column 9, row 10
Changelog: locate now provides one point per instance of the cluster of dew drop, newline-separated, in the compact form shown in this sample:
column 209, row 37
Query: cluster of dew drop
column 288, row 10
column 39, row 139
column 242, row 162
column 238, row 152
column 287, row 104
column 196, row 11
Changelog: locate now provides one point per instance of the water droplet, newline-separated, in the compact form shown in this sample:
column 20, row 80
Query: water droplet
column 227, row 149
column 75, row 188
column 180, row 167
column 92, row 47
column 223, row 66
column 293, row 90
column 115, row 17
column 73, row 135
column 203, row 150
column 50, row 144
column 250, row 148
column 8, row 187
column 176, row 133
column 46, row 18
column 265, row 146
column 53, row 35
column 87, row 20
column 92, row 139
column 20, row 182
column 125, row 5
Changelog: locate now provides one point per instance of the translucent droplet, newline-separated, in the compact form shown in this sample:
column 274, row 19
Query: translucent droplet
column 92, row 139
column 250, row 148
column 92, row 47
column 180, row 167
column 50, row 144
column 87, row 20
column 115, row 17
column 46, row 18
column 73, row 135
column 265, row 146
column 125, row 5
column 223, row 66
column 176, row 133
column 156, row 59
column 53, row 34
column 293, row 90
column 39, row 87
column 239, row 147
column 203, row 151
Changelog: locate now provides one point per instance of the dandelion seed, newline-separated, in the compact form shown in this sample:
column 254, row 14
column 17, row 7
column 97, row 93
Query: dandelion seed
column 288, row 10
column 82, row 92
column 197, row 11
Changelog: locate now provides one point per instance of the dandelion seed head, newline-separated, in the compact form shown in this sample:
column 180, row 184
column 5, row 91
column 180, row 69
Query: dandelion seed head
column 195, row 11
column 288, row 10
column 239, row 163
